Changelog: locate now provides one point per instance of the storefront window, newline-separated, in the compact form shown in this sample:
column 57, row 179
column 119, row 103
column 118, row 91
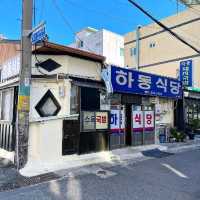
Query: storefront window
column 74, row 100
column 192, row 110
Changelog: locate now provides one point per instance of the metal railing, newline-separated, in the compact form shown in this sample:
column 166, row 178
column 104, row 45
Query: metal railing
column 7, row 135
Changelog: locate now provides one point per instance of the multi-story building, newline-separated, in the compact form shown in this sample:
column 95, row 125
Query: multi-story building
column 102, row 42
column 152, row 49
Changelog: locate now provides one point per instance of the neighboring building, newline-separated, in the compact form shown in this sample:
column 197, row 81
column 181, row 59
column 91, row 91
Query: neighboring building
column 65, row 81
column 2, row 37
column 102, row 42
column 161, row 53
column 136, row 101
column 69, row 106
column 8, row 49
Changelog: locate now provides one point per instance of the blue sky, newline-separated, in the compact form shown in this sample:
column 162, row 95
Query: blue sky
column 115, row 15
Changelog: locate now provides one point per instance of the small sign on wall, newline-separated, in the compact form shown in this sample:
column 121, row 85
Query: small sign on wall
column 88, row 120
column 94, row 120
column 117, row 120
column 137, row 120
column 149, row 120
column 101, row 120
column 186, row 73
column 143, row 120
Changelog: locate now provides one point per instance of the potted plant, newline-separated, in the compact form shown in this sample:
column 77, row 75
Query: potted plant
column 195, row 124
column 173, row 134
column 181, row 136
column 178, row 136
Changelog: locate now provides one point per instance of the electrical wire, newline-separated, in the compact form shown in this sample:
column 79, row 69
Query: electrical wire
column 42, row 10
column 66, row 21
column 38, row 62
column 163, row 26
column 190, row 8
column 123, row 20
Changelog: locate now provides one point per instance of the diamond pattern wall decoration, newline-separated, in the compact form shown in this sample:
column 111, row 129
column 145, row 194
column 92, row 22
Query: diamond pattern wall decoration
column 49, row 65
column 48, row 105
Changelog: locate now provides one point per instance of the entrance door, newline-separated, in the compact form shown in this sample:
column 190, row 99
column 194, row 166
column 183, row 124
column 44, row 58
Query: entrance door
column 117, row 126
column 149, row 125
column 142, row 123
column 70, row 136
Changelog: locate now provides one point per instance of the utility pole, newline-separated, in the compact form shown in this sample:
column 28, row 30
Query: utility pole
column 138, row 47
column 22, row 125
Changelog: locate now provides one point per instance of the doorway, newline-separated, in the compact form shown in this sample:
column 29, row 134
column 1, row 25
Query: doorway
column 140, row 126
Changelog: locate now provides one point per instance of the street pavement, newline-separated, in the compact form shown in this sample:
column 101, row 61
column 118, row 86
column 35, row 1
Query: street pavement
column 165, row 177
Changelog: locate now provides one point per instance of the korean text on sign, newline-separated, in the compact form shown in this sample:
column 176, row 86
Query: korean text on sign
column 101, row 120
column 186, row 73
column 117, row 121
column 132, row 81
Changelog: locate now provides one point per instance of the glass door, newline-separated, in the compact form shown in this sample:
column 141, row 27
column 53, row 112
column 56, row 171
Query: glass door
column 143, row 125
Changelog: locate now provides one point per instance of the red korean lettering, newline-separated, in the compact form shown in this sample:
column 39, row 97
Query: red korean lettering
column 104, row 119
column 98, row 119
column 149, row 119
column 138, row 118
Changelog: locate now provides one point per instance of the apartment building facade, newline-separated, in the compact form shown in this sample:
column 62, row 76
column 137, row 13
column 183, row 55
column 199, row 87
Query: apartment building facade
column 154, row 50
column 102, row 42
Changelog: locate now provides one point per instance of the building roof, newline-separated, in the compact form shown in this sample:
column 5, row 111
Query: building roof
column 8, row 49
column 90, row 29
column 56, row 49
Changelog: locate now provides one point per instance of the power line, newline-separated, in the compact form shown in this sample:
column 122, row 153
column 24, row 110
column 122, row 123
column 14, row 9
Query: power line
column 42, row 10
column 97, row 11
column 66, row 21
column 164, row 27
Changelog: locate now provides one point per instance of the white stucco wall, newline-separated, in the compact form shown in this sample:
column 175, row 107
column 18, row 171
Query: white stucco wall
column 166, row 107
column 69, row 65
column 112, row 43
column 40, row 87
column 103, row 42
column 45, row 140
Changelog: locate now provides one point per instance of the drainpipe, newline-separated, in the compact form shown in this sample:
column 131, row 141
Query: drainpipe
column 138, row 47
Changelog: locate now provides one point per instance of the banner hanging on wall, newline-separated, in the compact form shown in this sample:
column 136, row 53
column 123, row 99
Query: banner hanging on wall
column 94, row 120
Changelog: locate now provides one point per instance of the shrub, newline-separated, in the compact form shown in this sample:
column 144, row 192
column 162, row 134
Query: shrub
column 195, row 124
column 179, row 136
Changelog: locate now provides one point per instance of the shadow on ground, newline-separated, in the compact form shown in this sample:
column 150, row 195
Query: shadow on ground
column 11, row 179
column 156, row 153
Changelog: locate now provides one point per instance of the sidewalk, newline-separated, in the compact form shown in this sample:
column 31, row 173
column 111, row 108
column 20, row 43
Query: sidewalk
column 10, row 178
column 110, row 157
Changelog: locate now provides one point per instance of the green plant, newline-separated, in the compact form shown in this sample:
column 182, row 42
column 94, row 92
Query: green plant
column 181, row 136
column 178, row 135
column 173, row 132
column 195, row 124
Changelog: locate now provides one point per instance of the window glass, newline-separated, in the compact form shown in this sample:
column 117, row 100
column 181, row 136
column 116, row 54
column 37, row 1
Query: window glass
column 133, row 51
column 74, row 100
column 49, row 107
column 121, row 51
column 152, row 44
column 7, row 105
column 80, row 43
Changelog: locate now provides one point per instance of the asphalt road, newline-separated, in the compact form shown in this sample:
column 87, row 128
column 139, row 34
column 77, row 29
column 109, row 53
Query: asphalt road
column 176, row 177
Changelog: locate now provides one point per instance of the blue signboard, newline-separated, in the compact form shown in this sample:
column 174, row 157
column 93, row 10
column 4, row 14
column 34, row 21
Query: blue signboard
column 186, row 73
column 136, row 82
column 38, row 35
